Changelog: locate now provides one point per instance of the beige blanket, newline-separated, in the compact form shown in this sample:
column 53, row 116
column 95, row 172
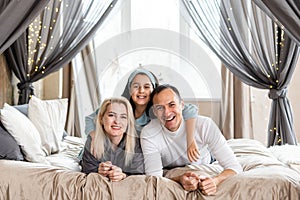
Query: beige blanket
column 265, row 177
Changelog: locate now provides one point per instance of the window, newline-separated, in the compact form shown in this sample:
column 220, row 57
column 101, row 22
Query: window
column 155, row 34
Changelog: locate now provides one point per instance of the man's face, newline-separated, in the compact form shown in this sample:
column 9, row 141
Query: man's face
column 168, row 109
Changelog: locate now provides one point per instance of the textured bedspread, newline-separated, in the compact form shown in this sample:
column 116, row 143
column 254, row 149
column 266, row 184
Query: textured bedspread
column 264, row 177
column 20, row 180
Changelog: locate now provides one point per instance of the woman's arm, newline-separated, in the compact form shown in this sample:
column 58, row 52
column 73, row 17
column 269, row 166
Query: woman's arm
column 89, row 163
column 137, row 165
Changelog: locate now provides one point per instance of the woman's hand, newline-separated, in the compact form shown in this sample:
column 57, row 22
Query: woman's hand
column 104, row 168
column 116, row 174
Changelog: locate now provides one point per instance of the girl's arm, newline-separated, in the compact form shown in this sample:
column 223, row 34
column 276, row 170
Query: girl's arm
column 90, row 124
column 192, row 147
column 190, row 113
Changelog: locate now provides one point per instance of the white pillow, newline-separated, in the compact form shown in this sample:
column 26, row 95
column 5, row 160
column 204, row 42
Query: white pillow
column 288, row 154
column 24, row 132
column 49, row 117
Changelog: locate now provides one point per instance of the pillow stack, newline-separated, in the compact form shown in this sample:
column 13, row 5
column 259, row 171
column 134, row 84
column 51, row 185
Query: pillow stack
column 49, row 118
column 39, row 134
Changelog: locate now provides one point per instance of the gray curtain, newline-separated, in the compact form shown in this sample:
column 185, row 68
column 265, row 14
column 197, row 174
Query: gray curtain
column 254, row 49
column 287, row 12
column 15, row 16
column 63, row 28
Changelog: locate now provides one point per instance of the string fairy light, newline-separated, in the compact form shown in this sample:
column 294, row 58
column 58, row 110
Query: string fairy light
column 37, row 38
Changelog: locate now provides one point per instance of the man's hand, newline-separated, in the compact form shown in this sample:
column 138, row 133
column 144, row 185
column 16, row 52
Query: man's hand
column 189, row 181
column 207, row 185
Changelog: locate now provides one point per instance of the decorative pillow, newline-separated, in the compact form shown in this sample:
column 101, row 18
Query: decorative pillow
column 9, row 148
column 22, row 108
column 49, row 117
column 24, row 132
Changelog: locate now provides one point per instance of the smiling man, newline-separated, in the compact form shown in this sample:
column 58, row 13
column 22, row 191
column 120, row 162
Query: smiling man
column 163, row 143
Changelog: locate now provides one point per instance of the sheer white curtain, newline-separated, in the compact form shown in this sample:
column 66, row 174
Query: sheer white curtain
column 85, row 94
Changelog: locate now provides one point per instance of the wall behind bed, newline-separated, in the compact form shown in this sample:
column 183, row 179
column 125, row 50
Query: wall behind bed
column 45, row 89
column 5, row 79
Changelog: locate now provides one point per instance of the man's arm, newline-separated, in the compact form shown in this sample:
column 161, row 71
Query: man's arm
column 152, row 157
column 219, row 148
column 208, row 185
column 189, row 180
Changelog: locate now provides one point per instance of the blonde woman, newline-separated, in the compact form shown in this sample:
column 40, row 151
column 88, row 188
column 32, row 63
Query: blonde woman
column 113, row 149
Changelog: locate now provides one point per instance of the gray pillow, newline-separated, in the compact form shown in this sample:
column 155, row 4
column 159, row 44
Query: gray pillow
column 9, row 149
column 22, row 108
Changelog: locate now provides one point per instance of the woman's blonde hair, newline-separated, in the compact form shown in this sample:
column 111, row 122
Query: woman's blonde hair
column 97, row 148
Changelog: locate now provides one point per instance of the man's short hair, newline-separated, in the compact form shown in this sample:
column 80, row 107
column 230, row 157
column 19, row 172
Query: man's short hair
column 162, row 87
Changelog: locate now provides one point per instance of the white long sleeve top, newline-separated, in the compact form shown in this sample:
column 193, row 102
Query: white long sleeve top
column 165, row 149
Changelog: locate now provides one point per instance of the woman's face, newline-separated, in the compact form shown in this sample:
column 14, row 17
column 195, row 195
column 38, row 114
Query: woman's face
column 115, row 120
column 141, row 89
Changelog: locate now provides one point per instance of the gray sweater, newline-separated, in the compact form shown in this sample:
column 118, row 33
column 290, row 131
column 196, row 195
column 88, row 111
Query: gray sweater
column 90, row 164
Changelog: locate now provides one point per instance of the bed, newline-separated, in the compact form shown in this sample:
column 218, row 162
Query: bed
column 54, row 172
column 266, row 176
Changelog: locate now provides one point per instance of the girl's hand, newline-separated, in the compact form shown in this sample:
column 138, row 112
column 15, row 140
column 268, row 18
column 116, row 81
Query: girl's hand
column 116, row 174
column 104, row 168
column 193, row 152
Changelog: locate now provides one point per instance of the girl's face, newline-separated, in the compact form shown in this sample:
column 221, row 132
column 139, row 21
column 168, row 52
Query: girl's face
column 115, row 120
column 141, row 89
